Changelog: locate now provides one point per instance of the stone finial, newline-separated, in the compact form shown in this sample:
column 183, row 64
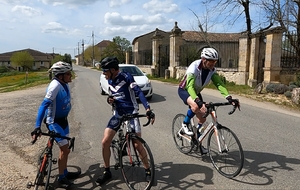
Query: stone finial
column 156, row 33
column 176, row 30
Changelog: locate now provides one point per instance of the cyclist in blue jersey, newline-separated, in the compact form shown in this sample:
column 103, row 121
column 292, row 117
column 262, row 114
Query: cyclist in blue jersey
column 197, row 76
column 123, row 91
column 54, row 110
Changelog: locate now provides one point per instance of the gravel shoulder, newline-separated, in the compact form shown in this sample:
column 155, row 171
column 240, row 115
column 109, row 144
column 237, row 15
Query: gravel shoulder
column 18, row 156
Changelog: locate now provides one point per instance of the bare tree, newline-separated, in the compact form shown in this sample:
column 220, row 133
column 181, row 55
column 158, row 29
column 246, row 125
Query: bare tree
column 287, row 15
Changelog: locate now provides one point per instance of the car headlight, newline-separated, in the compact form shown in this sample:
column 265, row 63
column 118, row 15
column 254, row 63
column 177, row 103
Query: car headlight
column 148, row 84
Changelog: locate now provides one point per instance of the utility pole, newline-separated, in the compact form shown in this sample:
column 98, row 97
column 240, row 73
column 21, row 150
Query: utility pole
column 83, row 52
column 78, row 54
column 93, row 62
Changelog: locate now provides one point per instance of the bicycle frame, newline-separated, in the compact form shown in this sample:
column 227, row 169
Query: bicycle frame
column 213, row 125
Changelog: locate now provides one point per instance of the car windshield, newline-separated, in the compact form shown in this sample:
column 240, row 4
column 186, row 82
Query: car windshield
column 134, row 71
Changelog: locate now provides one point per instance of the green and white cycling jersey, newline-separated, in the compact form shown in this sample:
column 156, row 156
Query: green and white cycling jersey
column 193, row 81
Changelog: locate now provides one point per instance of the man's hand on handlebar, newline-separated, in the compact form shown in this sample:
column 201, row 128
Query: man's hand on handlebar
column 36, row 133
column 110, row 100
column 234, row 102
column 150, row 115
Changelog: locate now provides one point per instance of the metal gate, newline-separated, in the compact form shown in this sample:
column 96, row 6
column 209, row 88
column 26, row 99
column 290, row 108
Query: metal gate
column 164, row 59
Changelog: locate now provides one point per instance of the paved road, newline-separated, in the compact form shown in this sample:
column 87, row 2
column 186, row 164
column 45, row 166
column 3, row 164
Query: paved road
column 268, row 133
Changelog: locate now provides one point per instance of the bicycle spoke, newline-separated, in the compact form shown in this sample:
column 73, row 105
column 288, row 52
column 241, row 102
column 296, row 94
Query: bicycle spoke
column 183, row 142
column 133, row 165
column 229, row 161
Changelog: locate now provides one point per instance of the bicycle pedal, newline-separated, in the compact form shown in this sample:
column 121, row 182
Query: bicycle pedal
column 29, row 185
column 54, row 161
column 117, row 165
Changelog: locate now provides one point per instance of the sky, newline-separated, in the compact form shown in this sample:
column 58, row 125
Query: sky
column 60, row 26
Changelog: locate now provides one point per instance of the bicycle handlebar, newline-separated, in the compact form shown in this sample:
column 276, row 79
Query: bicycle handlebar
column 56, row 135
column 211, row 106
column 127, row 117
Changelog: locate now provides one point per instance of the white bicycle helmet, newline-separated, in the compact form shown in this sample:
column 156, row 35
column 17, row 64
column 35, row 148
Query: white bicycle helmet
column 209, row 53
column 60, row 68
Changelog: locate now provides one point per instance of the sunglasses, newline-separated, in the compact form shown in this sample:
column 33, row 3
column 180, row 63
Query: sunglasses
column 105, row 70
column 211, row 60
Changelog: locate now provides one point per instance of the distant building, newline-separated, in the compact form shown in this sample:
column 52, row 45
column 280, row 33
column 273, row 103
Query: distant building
column 100, row 47
column 41, row 60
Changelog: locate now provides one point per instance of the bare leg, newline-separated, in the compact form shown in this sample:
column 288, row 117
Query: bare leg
column 63, row 158
column 106, row 141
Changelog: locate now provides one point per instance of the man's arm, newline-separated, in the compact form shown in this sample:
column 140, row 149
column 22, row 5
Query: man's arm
column 41, row 112
column 190, row 82
column 216, row 79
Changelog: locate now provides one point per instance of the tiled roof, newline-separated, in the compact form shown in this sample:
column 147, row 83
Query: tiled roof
column 194, row 36
column 37, row 55
column 103, row 43
column 30, row 51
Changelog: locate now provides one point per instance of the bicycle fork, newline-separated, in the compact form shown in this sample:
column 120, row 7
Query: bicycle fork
column 220, row 138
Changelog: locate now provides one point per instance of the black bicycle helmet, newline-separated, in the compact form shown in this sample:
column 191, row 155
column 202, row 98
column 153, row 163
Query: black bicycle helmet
column 109, row 63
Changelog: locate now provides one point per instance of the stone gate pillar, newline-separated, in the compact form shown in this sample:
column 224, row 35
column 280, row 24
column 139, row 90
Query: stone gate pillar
column 175, row 43
column 243, row 69
column 156, row 42
column 272, row 66
column 253, row 63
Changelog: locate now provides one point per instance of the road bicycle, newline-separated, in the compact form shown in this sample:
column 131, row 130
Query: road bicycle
column 129, row 159
column 45, row 161
column 224, row 148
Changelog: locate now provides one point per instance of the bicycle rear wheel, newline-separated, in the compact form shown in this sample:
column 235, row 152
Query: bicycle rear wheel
column 229, row 162
column 134, row 162
column 182, row 141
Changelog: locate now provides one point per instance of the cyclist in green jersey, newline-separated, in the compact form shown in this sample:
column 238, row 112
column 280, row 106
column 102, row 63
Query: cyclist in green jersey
column 197, row 76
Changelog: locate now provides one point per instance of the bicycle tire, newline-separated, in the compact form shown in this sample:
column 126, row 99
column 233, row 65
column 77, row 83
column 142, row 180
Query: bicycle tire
column 39, row 180
column 184, row 144
column 48, row 171
column 132, row 168
column 115, row 151
column 230, row 161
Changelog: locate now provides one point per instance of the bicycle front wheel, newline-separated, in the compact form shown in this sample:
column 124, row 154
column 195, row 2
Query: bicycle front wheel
column 182, row 141
column 135, row 158
column 48, row 171
column 229, row 160
column 39, row 180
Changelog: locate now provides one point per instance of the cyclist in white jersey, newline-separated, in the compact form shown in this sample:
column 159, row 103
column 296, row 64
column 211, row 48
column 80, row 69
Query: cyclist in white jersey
column 54, row 110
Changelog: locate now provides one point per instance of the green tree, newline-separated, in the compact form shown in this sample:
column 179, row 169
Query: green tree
column 57, row 58
column 117, row 48
column 66, row 58
column 22, row 59
column 91, row 53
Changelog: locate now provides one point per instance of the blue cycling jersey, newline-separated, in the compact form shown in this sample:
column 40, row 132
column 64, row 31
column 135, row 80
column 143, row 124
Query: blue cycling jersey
column 56, row 104
column 125, row 89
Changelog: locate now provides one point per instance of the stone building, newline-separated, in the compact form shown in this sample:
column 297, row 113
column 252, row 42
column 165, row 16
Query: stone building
column 244, row 60
column 167, row 50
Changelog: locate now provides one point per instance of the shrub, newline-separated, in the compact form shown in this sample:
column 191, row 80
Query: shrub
column 280, row 88
column 270, row 88
column 288, row 94
column 297, row 82
column 292, row 86
column 3, row 69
